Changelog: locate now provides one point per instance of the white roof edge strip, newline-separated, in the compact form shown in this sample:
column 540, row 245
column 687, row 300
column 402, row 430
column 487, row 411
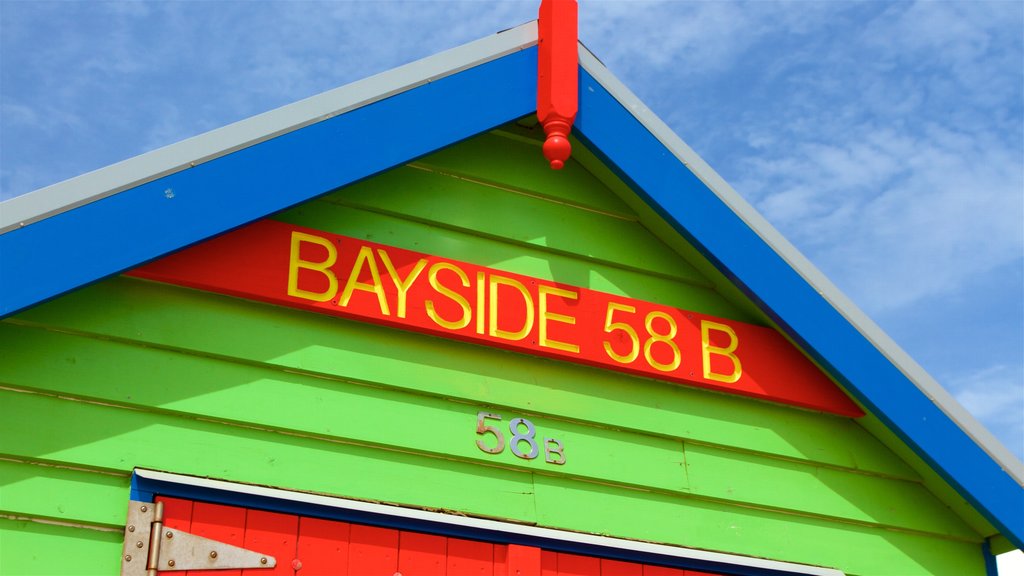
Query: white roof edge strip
column 54, row 199
column 867, row 327
column 485, row 524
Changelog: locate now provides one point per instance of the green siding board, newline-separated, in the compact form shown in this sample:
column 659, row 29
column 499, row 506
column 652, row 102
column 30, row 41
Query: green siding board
column 339, row 410
column 344, row 410
column 930, row 478
column 491, row 212
column 117, row 438
column 662, row 230
column 225, row 327
column 243, row 454
column 505, row 158
column 855, row 549
column 31, row 489
column 30, row 548
column 760, row 481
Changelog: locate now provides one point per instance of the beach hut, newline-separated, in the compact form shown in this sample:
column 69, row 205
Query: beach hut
column 374, row 333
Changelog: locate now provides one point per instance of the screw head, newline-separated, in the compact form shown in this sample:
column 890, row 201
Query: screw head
column 169, row 534
column 131, row 528
column 170, row 562
column 213, row 554
column 139, row 544
column 144, row 509
column 127, row 557
column 263, row 560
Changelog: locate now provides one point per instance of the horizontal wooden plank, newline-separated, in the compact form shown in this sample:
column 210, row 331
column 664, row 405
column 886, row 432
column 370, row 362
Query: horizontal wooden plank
column 694, row 294
column 332, row 347
column 345, row 410
column 75, row 433
column 28, row 489
column 509, row 160
column 81, row 433
column 340, row 410
column 682, row 521
column 473, row 207
column 30, row 548
column 770, row 482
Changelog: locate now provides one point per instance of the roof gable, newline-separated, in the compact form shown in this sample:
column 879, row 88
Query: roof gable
column 114, row 219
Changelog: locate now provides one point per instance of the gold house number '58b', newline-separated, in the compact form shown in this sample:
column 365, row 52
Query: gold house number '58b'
column 522, row 443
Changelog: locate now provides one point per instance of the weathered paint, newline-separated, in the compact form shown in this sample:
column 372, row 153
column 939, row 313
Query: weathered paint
column 130, row 373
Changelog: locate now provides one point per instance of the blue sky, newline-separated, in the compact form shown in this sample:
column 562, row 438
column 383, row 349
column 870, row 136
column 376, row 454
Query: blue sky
column 885, row 140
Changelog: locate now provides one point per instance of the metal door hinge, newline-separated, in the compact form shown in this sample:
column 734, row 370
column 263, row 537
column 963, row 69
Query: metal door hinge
column 150, row 546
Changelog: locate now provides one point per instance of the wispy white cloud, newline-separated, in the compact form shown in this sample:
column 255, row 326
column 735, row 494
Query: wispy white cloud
column 995, row 396
column 120, row 78
column 894, row 217
column 912, row 185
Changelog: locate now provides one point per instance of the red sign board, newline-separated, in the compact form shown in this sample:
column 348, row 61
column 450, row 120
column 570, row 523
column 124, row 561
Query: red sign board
column 327, row 273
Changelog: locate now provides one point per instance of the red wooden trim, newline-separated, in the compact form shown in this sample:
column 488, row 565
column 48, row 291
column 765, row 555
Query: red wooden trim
column 548, row 563
column 619, row 568
column 557, row 77
column 221, row 523
column 323, row 547
column 523, row 560
column 573, row 565
column 274, row 534
column 331, row 274
column 177, row 515
column 470, row 558
column 421, row 553
column 372, row 550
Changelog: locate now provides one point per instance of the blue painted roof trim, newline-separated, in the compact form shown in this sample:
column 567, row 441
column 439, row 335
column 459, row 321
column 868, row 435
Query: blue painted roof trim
column 105, row 237
column 739, row 252
column 91, row 242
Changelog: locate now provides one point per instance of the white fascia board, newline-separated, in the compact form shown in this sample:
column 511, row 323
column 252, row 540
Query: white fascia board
column 57, row 198
column 798, row 262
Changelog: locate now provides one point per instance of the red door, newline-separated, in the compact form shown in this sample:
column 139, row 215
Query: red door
column 307, row 546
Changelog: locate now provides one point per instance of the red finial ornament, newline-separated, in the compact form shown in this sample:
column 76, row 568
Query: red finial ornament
column 557, row 76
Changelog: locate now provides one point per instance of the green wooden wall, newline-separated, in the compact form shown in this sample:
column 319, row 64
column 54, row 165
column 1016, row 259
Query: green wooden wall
column 128, row 373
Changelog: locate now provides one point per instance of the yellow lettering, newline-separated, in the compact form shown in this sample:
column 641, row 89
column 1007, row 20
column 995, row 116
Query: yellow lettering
column 545, row 316
column 609, row 327
column 655, row 337
column 365, row 257
column 496, row 281
column 295, row 262
column 459, row 299
column 706, row 326
column 401, row 285
column 481, row 281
